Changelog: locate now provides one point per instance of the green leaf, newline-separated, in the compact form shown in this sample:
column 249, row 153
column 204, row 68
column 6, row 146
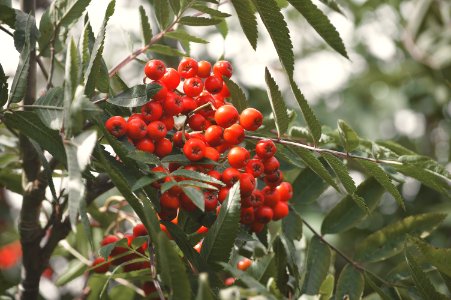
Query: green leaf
column 263, row 268
column 292, row 226
column 29, row 124
column 147, row 180
column 376, row 171
column 278, row 106
column 146, row 30
column 204, row 292
column 7, row 15
column 162, row 12
column 343, row 174
column 422, row 281
column 315, row 164
column 51, row 117
column 175, row 5
column 348, row 136
column 182, row 35
column 309, row 116
column 137, row 95
column 144, row 157
column 333, row 5
column 389, row 241
column 248, row 21
column 438, row 257
column 196, row 195
column 173, row 271
column 307, row 188
column 317, row 266
column 81, row 109
column 346, row 214
column 66, row 12
column 197, row 175
column 71, row 83
column 199, row 21
column 370, row 280
column 212, row 12
column 350, row 284
column 278, row 30
column 237, row 96
column 166, row 50
column 78, row 156
column 218, row 243
column 26, row 29
column 93, row 69
column 223, row 28
column 327, row 287
column 320, row 23
column 3, row 87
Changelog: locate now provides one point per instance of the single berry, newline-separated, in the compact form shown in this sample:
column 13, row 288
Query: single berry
column 171, row 79
column 213, row 135
column 230, row 176
column 189, row 104
column 234, row 134
column 100, row 265
column 244, row 264
column 194, row 149
column 151, row 111
column 163, row 147
column 162, row 92
column 168, row 201
column 247, row 215
column 223, row 68
column 285, row 190
column 116, row 125
column 154, row 69
column 213, row 84
column 156, row 130
column 226, row 116
column 197, row 122
column 139, row 230
column 280, row 210
column 264, row 214
column 188, row 67
column 210, row 200
column 251, row 119
column 247, row 184
column 145, row 145
column 203, row 69
column 265, row 149
column 136, row 129
column 173, row 105
column 271, row 165
column 193, row 86
column 238, row 157
column 271, row 195
column 255, row 167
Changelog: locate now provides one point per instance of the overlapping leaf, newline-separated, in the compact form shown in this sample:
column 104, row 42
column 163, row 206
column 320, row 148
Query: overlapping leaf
column 317, row 266
column 278, row 106
column 237, row 96
column 350, row 284
column 51, row 113
column 199, row 21
column 247, row 19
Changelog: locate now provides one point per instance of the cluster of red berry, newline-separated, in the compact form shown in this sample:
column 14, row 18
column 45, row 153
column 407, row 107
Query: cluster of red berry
column 212, row 132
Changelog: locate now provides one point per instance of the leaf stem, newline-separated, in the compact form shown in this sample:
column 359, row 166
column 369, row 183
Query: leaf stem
column 321, row 150
column 52, row 58
column 6, row 30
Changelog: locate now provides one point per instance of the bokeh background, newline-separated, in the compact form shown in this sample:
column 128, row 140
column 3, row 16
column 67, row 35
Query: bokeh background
column 396, row 85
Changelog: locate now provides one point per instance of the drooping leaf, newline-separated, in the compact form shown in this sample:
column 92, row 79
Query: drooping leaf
column 196, row 196
column 199, row 21
column 278, row 106
column 146, row 30
column 237, row 96
column 376, row 171
column 137, row 95
column 292, row 226
column 210, row 11
column 422, row 281
column 182, row 35
column 317, row 266
column 346, row 214
column 66, row 12
column 350, row 284
column 173, row 271
column 223, row 28
column 218, row 243
column 438, row 257
column 247, row 19
column 390, row 240
column 175, row 5
column 166, row 50
column 319, row 21
column 93, row 69
column 7, row 15
column 278, row 30
column 348, row 136
column 307, row 187
column 309, row 116
column 162, row 10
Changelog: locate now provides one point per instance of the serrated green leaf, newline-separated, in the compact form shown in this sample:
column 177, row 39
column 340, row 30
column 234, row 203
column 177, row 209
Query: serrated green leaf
column 317, row 266
column 422, row 282
column 147, row 180
column 25, row 28
column 210, row 11
column 247, row 19
column 85, row 44
column 162, row 12
column 280, row 258
column 292, row 226
column 92, row 71
column 346, row 214
column 376, row 171
column 52, row 104
column 348, row 136
column 175, row 5
column 182, row 35
column 204, row 292
column 29, row 124
column 319, row 21
column 438, row 257
column 3, row 87
column 199, row 21
column 218, row 243
column 237, row 96
column 223, row 28
column 350, row 284
column 343, row 174
column 181, row 159
column 196, row 196
column 146, row 30
column 278, row 106
column 173, row 271
column 278, row 30
column 197, row 175
column 137, row 95
column 144, row 157
column 309, row 116
column 389, row 241
column 307, row 188
column 66, row 12
column 315, row 164
column 166, row 50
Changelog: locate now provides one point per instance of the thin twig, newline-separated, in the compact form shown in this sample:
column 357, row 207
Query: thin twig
column 42, row 67
column 321, row 150
column 52, row 58
column 6, row 30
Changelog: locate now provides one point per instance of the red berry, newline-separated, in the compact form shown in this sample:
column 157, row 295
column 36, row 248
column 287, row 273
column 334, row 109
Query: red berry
column 247, row 184
column 210, row 200
column 254, row 167
column 212, row 153
column 168, row 121
column 171, row 79
column 193, row 86
column 273, row 179
column 251, row 119
column 136, row 129
column 151, row 111
column 203, row 69
column 229, row 281
column 271, row 165
column 213, row 84
column 189, row 104
column 156, row 130
column 223, row 68
column 230, row 176
column 100, row 265
column 234, row 134
column 145, row 145
column 168, row 201
column 194, row 149
column 137, row 116
column 163, row 147
column 247, row 215
column 244, row 264
column 202, row 230
column 177, row 139
column 226, row 116
column 197, row 122
column 272, row 197
column 162, row 92
column 188, row 67
column 173, row 105
column 264, row 214
column 223, row 192
column 116, row 125
column 285, row 190
column 186, row 203
column 225, row 91
column 257, row 226
column 139, row 230
column 198, row 247
column 238, row 157
column 213, row 135
column 265, row 149
column 149, row 288
column 281, row 210
column 154, row 69
column 255, row 200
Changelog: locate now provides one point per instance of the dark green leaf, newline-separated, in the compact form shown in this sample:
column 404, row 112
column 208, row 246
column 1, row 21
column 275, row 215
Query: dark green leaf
column 162, row 12
column 247, row 19
column 317, row 266
column 52, row 114
column 280, row 257
column 144, row 157
column 389, row 241
column 182, row 35
column 346, row 214
column 219, row 241
column 320, row 23
column 292, row 226
column 376, row 171
column 429, row 178
column 197, row 175
column 175, row 5
column 166, row 50
column 237, row 96
column 438, row 257
column 263, row 268
column 146, row 30
column 25, row 26
column 199, row 21
column 278, row 30
column 196, row 195
column 212, row 12
column 173, row 271
column 137, row 95
column 371, row 282
column 348, row 136
column 307, row 188
column 350, row 284
column 3, row 87
column 278, row 106
column 333, row 5
column 66, row 12
column 7, row 15
column 147, row 180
